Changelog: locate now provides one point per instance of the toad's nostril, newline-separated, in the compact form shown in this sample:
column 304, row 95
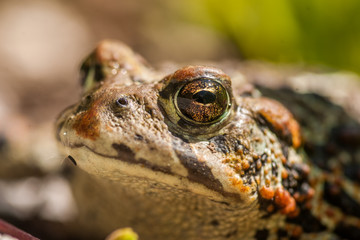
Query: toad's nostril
column 122, row 102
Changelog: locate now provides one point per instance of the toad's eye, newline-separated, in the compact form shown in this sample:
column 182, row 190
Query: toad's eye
column 196, row 101
column 202, row 101
column 91, row 73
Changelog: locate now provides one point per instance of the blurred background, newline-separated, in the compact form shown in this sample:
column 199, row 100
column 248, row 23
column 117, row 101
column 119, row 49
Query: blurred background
column 43, row 42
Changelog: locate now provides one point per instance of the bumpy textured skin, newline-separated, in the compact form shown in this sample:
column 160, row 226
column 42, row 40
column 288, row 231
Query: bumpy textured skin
column 252, row 176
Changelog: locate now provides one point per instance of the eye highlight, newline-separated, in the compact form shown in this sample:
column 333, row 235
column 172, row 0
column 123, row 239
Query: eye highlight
column 202, row 101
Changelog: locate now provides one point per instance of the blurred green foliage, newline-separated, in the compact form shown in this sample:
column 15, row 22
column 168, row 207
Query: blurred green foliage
column 309, row 31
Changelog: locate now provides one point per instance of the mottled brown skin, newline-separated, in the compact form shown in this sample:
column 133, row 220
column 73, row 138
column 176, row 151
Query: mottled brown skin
column 279, row 118
column 85, row 120
column 240, row 175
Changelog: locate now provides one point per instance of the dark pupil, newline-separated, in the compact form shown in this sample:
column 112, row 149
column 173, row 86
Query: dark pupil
column 202, row 100
column 204, row 97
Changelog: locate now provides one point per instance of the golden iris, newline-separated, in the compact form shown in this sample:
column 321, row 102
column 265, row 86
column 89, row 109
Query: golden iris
column 202, row 100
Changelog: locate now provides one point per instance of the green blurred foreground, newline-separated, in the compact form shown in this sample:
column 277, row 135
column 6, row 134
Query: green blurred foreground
column 123, row 234
column 310, row 31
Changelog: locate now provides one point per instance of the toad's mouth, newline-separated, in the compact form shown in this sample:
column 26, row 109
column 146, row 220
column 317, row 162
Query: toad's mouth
column 122, row 167
column 125, row 155
column 115, row 168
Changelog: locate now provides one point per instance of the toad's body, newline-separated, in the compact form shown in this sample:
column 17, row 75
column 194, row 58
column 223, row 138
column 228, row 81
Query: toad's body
column 189, row 156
